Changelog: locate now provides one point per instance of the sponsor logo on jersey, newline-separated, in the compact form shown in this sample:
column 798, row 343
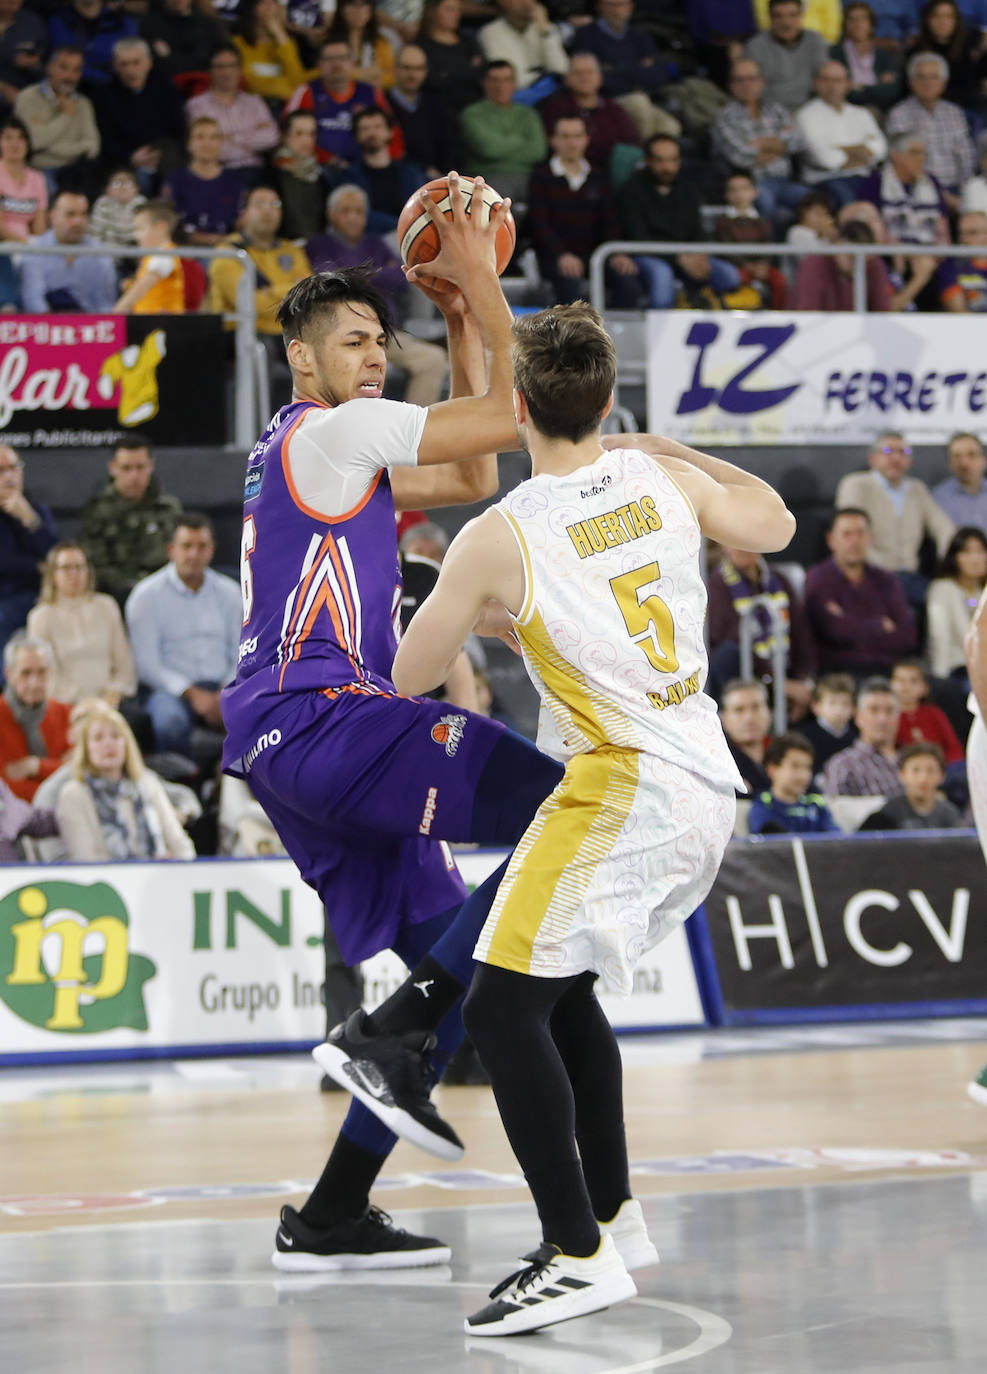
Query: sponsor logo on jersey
column 449, row 731
column 267, row 741
column 428, row 814
column 595, row 490
column 255, row 480
column 247, row 646
column 598, row 533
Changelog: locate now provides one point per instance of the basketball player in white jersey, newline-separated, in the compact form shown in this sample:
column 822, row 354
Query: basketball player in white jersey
column 976, row 760
column 596, row 559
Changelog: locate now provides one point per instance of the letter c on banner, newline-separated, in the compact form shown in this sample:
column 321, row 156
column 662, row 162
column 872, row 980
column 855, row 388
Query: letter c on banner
column 853, row 914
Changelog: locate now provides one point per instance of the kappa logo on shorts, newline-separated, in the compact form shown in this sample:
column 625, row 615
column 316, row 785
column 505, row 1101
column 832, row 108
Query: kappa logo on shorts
column 449, row 731
column 428, row 815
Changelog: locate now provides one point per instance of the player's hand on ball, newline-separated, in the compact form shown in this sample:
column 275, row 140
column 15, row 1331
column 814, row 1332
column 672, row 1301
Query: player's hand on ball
column 465, row 241
column 448, row 298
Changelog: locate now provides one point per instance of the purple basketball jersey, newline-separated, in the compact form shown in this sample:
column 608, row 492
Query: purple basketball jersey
column 320, row 594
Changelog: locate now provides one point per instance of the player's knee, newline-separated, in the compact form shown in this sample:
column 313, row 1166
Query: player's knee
column 479, row 1019
column 485, row 1016
column 515, row 781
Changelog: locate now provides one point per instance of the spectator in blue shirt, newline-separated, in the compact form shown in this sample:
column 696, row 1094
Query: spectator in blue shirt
column 895, row 19
column 184, row 623
column 963, row 494
column 633, row 72
column 79, row 284
column 789, row 808
column 94, row 27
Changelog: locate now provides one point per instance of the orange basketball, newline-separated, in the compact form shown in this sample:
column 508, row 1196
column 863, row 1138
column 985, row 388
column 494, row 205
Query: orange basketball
column 418, row 237
column 440, row 733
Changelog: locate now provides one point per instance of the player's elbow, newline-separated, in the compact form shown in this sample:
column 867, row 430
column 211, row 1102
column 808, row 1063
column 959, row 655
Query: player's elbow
column 484, row 485
column 781, row 530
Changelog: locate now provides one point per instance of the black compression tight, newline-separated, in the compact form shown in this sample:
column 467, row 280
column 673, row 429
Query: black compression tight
column 555, row 1071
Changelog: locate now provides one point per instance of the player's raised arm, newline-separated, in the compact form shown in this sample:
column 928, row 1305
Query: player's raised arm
column 472, row 479
column 734, row 507
column 467, row 258
column 483, row 562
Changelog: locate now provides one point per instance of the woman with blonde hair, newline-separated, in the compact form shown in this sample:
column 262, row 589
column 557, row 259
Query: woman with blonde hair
column 84, row 630
column 113, row 807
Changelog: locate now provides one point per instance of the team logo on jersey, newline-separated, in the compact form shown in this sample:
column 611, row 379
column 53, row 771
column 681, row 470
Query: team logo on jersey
column 65, row 958
column 449, row 732
column 255, row 478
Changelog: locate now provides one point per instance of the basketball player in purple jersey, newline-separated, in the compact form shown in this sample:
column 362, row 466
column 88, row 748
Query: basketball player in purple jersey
column 359, row 782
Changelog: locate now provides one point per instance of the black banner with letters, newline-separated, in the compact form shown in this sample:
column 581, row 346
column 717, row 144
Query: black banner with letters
column 803, row 927
column 84, row 381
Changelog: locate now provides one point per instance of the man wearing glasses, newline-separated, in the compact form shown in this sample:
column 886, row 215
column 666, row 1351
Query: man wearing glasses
column 245, row 122
column 27, row 532
column 901, row 512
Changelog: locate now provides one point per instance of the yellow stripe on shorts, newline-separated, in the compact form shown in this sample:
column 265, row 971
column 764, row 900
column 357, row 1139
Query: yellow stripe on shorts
column 574, row 830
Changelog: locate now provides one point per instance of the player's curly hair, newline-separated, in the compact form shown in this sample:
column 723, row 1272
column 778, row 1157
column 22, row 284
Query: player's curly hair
column 310, row 306
column 565, row 366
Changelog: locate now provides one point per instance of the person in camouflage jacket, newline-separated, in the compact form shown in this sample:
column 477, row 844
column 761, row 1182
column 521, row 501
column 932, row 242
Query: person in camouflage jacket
column 126, row 526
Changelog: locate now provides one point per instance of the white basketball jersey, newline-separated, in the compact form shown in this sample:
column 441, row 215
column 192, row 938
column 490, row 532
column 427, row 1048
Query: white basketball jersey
column 612, row 620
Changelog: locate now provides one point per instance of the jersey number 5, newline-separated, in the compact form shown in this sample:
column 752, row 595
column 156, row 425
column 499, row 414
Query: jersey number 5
column 248, row 542
column 648, row 619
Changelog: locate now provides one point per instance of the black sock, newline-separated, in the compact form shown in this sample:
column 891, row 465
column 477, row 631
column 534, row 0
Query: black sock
column 343, row 1190
column 420, row 1002
column 564, row 1222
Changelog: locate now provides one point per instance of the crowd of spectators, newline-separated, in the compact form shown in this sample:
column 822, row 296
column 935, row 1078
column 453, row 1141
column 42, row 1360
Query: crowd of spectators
column 129, row 624
column 862, row 124
column 873, row 678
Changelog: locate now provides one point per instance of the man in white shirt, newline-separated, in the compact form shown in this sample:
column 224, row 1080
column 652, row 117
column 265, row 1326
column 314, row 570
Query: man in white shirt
column 526, row 37
column 842, row 143
column 184, row 623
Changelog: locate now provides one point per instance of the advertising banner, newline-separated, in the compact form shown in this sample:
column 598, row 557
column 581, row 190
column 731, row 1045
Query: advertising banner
column 83, row 381
column 118, row 960
column 721, row 378
column 802, row 929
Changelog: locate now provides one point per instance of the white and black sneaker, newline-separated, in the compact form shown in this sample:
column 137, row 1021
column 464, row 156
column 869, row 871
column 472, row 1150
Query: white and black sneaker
column 390, row 1075
column 630, row 1235
column 370, row 1241
column 554, row 1288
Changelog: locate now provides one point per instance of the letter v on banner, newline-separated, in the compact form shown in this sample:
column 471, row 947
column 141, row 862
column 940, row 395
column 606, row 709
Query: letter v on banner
column 952, row 943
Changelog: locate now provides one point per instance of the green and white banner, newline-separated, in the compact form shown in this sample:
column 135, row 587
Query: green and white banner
column 129, row 958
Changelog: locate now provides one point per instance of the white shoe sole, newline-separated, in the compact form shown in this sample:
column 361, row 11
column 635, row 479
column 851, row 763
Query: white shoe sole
column 582, row 1303
column 978, row 1093
column 333, row 1061
column 304, row 1262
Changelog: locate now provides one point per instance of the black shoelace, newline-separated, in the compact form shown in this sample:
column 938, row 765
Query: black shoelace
column 539, row 1260
column 381, row 1219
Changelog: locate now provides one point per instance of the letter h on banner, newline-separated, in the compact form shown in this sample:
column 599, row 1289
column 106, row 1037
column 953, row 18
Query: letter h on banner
column 776, row 930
